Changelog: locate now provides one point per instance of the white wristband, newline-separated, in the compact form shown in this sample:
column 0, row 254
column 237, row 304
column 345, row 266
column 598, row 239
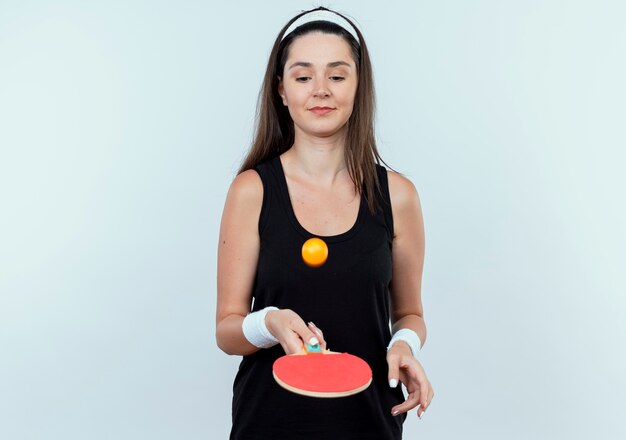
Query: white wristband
column 255, row 330
column 410, row 337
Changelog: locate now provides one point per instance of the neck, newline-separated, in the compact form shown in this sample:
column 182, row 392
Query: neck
column 321, row 159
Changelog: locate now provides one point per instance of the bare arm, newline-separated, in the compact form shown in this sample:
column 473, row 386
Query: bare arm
column 406, row 300
column 408, row 256
column 237, row 256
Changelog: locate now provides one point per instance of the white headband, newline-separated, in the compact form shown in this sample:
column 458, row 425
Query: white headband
column 323, row 16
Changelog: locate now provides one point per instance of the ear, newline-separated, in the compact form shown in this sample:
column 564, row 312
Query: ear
column 281, row 91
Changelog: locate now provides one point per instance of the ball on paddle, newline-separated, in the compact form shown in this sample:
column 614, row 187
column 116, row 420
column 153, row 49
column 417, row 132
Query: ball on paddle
column 314, row 252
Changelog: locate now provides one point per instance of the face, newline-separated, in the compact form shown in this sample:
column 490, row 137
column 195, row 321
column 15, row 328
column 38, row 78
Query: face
column 318, row 84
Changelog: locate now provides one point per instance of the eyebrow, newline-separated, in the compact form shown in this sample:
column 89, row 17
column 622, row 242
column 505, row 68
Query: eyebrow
column 305, row 64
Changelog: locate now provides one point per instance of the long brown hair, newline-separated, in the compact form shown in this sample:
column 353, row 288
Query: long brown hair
column 274, row 133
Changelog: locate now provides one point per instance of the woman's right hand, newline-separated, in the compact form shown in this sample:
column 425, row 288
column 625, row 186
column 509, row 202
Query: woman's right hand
column 291, row 331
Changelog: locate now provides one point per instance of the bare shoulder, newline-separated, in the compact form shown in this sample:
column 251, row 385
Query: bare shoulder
column 405, row 207
column 402, row 192
column 246, row 189
column 244, row 199
column 247, row 184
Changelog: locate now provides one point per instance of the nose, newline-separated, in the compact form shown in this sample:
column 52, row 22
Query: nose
column 321, row 89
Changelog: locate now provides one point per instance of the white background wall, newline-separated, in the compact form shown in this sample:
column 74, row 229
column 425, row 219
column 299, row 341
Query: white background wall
column 122, row 124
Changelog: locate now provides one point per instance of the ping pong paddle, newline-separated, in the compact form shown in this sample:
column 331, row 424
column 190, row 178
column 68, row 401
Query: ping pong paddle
column 318, row 373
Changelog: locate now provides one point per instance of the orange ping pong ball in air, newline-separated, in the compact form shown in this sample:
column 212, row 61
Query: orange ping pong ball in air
column 314, row 252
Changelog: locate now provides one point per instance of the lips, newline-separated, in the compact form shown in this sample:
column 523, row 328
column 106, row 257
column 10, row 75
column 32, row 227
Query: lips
column 321, row 110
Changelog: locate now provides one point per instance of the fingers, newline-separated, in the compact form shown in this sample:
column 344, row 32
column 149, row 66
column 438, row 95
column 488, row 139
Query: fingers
column 290, row 330
column 304, row 332
column 400, row 369
column 319, row 334
column 412, row 400
column 424, row 390
column 411, row 374
column 423, row 399
column 425, row 403
column 291, row 342
column 394, row 370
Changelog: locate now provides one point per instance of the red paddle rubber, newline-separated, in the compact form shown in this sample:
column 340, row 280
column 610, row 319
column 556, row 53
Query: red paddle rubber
column 322, row 375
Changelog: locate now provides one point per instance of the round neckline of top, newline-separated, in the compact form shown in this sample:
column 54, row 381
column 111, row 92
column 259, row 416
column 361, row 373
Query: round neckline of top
column 296, row 223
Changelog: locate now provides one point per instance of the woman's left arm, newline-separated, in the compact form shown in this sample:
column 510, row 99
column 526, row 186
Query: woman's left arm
column 406, row 303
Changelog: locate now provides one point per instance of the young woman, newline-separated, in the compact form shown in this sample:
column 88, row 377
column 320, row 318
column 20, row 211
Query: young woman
column 314, row 171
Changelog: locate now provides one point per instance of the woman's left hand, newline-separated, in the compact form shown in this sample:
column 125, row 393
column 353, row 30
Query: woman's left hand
column 403, row 366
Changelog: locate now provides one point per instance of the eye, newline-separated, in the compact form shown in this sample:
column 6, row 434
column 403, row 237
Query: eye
column 302, row 77
column 337, row 78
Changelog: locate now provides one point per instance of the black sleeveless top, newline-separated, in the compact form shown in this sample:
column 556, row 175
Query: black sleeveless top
column 347, row 297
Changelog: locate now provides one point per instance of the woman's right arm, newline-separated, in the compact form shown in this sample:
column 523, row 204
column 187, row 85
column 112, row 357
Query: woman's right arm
column 237, row 257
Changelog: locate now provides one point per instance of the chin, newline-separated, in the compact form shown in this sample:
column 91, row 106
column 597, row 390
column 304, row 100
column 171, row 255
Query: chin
column 321, row 128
